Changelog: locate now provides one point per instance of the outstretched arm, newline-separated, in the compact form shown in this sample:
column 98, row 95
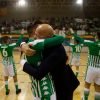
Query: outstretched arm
column 13, row 45
column 68, row 43
column 20, row 38
column 81, row 40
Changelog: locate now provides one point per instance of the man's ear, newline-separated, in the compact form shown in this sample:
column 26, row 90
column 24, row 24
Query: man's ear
column 36, row 34
column 35, row 37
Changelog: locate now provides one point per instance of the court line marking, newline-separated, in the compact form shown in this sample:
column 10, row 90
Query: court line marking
column 10, row 79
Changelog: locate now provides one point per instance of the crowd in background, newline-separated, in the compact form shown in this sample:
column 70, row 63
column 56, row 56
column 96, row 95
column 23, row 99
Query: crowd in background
column 82, row 26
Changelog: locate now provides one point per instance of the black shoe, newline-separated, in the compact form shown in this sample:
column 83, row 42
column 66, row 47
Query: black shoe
column 18, row 91
column 7, row 92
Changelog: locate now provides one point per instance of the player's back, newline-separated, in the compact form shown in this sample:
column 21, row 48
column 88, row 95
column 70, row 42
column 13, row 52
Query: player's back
column 94, row 49
column 94, row 54
column 6, row 50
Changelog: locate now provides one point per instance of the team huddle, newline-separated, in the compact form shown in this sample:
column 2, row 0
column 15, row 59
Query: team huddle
column 45, row 62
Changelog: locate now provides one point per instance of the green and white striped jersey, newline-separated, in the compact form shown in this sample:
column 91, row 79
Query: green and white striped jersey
column 93, row 52
column 7, row 50
column 43, row 88
column 76, row 49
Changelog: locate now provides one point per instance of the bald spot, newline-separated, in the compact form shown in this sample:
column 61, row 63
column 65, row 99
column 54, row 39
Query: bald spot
column 44, row 30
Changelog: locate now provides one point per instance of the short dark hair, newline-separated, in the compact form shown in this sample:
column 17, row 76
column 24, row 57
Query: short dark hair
column 4, row 39
column 30, row 28
column 37, row 22
column 33, row 25
column 98, row 35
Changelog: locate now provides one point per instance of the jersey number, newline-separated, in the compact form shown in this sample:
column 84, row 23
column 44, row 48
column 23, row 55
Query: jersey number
column 5, row 54
column 78, row 48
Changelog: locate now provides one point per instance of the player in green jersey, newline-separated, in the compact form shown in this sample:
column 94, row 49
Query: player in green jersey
column 6, row 49
column 93, row 70
column 43, row 89
column 76, row 50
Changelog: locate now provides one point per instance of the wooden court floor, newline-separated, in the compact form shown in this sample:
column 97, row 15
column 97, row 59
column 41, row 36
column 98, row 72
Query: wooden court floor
column 25, row 83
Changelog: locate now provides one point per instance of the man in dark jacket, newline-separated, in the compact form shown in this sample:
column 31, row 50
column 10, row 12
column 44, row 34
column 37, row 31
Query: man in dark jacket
column 54, row 62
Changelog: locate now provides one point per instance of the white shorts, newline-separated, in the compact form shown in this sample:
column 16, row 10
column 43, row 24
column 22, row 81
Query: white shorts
column 53, row 97
column 93, row 75
column 9, row 70
column 75, row 61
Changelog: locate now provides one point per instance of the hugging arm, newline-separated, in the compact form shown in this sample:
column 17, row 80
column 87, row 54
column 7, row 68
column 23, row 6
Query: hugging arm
column 46, row 66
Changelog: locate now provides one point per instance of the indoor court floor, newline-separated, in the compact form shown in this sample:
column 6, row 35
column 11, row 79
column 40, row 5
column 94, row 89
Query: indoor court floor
column 25, row 83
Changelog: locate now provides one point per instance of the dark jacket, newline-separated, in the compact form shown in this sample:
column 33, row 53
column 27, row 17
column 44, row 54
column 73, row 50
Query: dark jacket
column 54, row 61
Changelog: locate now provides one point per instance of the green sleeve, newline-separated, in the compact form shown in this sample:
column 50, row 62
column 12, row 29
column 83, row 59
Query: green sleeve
column 13, row 45
column 38, row 44
column 88, row 42
column 19, row 40
column 81, row 40
column 56, row 40
column 67, row 43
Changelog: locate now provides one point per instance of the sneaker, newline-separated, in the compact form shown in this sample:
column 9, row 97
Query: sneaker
column 18, row 91
column 7, row 92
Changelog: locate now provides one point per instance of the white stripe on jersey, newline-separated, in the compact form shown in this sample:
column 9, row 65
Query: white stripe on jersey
column 94, row 61
column 35, row 88
column 40, row 95
column 12, row 44
column 4, row 46
column 36, row 41
column 88, row 41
